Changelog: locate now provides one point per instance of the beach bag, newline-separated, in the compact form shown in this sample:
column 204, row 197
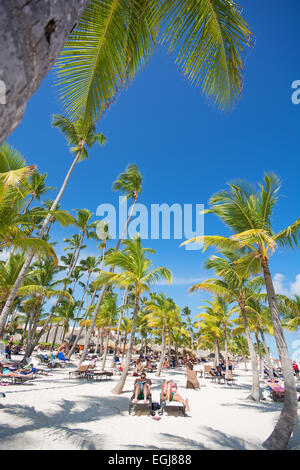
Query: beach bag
column 155, row 406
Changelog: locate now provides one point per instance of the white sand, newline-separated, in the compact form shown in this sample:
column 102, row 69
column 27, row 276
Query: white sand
column 56, row 412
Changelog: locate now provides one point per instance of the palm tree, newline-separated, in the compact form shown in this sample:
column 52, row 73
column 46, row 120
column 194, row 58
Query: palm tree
column 108, row 316
column 134, row 272
column 160, row 307
column 218, row 312
column 290, row 309
column 130, row 184
column 79, row 134
column 235, row 287
column 248, row 211
column 114, row 39
column 239, row 346
column 37, row 187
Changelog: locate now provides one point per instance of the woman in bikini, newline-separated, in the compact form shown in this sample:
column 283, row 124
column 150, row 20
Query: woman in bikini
column 169, row 390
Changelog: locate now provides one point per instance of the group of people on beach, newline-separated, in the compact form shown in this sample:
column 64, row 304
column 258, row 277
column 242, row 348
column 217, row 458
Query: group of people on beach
column 142, row 390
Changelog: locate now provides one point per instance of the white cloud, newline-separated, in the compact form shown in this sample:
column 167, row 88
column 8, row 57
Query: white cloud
column 279, row 281
column 284, row 287
column 295, row 286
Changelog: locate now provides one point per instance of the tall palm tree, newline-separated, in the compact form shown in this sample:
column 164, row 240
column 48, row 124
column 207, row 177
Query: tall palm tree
column 160, row 307
column 130, row 184
column 79, row 134
column 235, row 287
column 248, row 211
column 134, row 272
column 218, row 312
column 37, row 187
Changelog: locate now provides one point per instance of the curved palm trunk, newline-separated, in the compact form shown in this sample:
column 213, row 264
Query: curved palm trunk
column 268, row 356
column 120, row 385
column 255, row 393
column 9, row 302
column 127, row 223
column 124, row 346
column 105, row 349
column 281, row 434
column 163, row 348
column 226, row 351
column 217, row 353
column 83, row 327
column 117, row 340
column 260, row 355
column 81, row 303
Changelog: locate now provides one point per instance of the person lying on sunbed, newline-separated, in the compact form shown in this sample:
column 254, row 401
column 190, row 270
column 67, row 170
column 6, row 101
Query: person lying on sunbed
column 142, row 388
column 170, row 393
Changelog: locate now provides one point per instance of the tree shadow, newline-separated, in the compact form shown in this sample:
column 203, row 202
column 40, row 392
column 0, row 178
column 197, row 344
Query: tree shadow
column 59, row 424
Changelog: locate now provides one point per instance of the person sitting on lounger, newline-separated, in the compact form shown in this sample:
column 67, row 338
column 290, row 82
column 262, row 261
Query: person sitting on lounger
column 139, row 367
column 142, row 388
column 170, row 393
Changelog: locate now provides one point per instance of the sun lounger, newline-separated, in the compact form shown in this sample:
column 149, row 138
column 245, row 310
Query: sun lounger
column 191, row 380
column 80, row 373
column 141, row 404
column 98, row 375
column 170, row 406
column 16, row 378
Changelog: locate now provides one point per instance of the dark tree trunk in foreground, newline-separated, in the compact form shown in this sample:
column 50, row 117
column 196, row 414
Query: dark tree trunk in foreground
column 32, row 34
column 281, row 434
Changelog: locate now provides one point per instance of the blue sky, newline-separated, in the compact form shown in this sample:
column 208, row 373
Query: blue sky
column 185, row 148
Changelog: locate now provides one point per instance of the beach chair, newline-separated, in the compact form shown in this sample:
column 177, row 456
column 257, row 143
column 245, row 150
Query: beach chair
column 80, row 372
column 230, row 380
column 170, row 407
column 141, row 405
column 191, row 380
column 99, row 375
column 16, row 378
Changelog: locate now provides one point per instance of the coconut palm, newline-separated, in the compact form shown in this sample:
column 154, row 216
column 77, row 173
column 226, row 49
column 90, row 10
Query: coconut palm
column 238, row 288
column 134, row 272
column 290, row 309
column 79, row 135
column 248, row 211
column 114, row 39
column 37, row 187
column 218, row 312
column 130, row 184
column 160, row 309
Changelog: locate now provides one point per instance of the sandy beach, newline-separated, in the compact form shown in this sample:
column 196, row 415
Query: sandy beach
column 58, row 412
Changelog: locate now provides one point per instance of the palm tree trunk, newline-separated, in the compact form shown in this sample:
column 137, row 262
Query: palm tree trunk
column 281, row 434
column 255, row 393
column 105, row 349
column 120, row 385
column 36, row 35
column 82, row 328
column 124, row 346
column 126, row 225
column 9, row 302
column 163, row 349
column 217, row 353
column 226, row 352
column 124, row 301
column 268, row 356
